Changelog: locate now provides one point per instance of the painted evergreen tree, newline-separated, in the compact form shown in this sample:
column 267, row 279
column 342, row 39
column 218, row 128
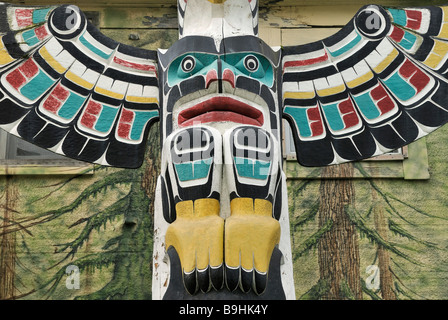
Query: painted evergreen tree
column 390, row 223
column 380, row 223
column 129, row 254
column 8, row 257
column 339, row 261
column 131, row 269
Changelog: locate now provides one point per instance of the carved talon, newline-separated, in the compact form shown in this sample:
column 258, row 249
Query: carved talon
column 251, row 234
column 197, row 236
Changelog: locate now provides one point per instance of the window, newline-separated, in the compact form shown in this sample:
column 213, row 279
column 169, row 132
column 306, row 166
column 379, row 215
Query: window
column 409, row 162
column 290, row 149
column 20, row 157
column 14, row 148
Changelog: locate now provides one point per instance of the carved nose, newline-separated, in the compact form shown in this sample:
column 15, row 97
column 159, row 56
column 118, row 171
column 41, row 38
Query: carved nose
column 211, row 76
column 227, row 75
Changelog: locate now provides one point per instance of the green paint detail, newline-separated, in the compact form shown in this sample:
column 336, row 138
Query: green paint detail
column 37, row 86
column 40, row 15
column 301, row 119
column 71, row 107
column 139, row 125
column 348, row 46
column 203, row 63
column 106, row 118
column 188, row 171
column 94, row 49
column 30, row 37
column 400, row 87
column 367, row 106
column 333, row 115
column 398, row 16
column 408, row 41
column 253, row 169
column 264, row 73
column 234, row 62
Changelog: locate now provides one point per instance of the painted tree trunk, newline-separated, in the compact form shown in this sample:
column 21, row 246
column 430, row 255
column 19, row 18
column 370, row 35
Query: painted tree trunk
column 152, row 159
column 8, row 243
column 338, row 248
column 386, row 281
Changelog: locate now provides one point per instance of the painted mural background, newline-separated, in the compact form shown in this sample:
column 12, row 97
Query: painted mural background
column 359, row 231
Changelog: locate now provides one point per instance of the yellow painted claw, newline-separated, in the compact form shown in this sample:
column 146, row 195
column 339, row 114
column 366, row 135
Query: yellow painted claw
column 251, row 234
column 197, row 234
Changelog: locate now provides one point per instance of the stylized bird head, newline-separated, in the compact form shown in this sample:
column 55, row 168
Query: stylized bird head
column 219, row 72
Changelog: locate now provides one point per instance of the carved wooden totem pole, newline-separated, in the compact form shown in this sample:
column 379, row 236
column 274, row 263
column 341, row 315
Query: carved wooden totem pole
column 221, row 183
column 219, row 94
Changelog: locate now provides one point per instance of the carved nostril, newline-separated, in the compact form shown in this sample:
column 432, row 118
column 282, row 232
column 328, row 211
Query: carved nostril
column 229, row 76
column 211, row 76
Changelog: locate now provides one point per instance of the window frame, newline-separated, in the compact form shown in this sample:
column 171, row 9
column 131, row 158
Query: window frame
column 410, row 164
column 46, row 163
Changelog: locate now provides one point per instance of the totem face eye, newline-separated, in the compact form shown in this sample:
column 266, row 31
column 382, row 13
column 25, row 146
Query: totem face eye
column 251, row 63
column 188, row 64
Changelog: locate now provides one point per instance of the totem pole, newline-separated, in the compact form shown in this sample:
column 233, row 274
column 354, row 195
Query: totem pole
column 222, row 187
column 219, row 94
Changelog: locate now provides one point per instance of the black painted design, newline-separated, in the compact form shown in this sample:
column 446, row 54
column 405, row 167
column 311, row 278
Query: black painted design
column 186, row 148
column 395, row 49
column 65, row 90
column 274, row 289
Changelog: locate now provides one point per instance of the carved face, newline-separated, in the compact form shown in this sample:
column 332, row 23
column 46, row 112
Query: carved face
column 223, row 85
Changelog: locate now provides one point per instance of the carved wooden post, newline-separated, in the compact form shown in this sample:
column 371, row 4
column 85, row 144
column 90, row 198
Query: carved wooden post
column 221, row 182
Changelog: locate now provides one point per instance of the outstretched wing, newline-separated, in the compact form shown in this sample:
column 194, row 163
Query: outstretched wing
column 66, row 87
column 377, row 85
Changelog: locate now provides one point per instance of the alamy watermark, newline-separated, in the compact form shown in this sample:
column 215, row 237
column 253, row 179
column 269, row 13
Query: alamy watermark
column 72, row 282
column 373, row 280
column 373, row 21
column 73, row 18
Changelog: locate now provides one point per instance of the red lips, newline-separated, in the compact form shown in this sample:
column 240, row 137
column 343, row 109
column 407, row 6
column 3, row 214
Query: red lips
column 219, row 109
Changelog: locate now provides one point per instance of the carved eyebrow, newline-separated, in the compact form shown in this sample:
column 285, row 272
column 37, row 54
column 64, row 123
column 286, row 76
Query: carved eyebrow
column 228, row 45
column 188, row 44
column 250, row 44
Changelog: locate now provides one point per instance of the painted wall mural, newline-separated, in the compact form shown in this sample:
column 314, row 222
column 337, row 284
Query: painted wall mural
column 221, row 226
